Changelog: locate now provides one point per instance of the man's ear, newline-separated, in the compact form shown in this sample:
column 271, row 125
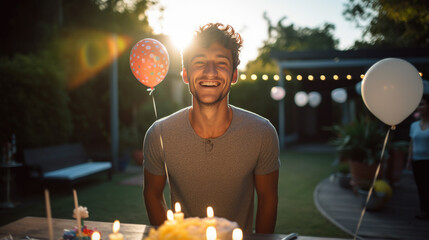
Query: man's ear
column 234, row 77
column 185, row 75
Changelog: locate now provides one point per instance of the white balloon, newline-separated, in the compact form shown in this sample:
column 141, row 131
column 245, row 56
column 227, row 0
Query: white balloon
column 301, row 99
column 314, row 99
column 339, row 95
column 278, row 93
column 392, row 89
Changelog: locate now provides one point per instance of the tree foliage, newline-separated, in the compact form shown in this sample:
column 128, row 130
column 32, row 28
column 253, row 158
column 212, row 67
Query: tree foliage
column 292, row 38
column 390, row 22
column 50, row 42
column 34, row 101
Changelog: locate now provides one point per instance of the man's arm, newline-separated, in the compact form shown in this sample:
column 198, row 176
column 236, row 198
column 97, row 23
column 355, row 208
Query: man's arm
column 154, row 198
column 266, row 215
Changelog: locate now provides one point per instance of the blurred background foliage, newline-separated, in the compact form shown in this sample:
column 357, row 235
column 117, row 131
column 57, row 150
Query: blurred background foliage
column 56, row 73
column 34, row 101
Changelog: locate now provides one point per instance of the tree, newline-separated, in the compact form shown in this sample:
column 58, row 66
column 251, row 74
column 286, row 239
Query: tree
column 390, row 22
column 292, row 38
column 34, row 102
column 47, row 43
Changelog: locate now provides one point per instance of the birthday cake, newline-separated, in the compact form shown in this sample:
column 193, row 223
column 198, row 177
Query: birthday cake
column 193, row 229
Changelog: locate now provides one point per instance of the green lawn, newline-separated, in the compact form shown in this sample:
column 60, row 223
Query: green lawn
column 107, row 201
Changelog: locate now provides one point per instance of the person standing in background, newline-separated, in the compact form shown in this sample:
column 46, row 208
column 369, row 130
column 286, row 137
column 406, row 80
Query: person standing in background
column 418, row 156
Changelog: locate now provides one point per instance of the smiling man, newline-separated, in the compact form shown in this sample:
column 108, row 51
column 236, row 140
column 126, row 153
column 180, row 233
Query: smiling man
column 213, row 153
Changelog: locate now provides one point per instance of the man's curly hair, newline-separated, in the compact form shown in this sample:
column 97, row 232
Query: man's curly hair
column 211, row 33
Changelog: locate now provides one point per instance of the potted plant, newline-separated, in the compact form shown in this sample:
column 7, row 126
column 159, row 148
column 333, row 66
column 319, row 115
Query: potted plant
column 360, row 143
column 343, row 174
column 396, row 160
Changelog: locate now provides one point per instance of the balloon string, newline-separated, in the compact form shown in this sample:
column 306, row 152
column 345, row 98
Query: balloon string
column 165, row 162
column 373, row 182
column 151, row 90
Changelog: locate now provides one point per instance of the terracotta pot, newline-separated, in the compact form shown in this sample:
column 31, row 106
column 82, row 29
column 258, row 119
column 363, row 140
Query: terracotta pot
column 395, row 165
column 363, row 174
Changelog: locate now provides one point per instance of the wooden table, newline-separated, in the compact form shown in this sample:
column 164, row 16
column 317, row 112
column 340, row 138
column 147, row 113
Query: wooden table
column 37, row 228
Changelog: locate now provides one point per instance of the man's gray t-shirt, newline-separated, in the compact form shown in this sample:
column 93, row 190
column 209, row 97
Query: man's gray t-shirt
column 215, row 172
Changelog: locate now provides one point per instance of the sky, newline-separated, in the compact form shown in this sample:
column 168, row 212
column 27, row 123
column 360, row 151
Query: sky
column 182, row 17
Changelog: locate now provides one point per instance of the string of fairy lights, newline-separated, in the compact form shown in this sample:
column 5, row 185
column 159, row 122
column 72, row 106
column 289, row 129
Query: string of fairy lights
column 299, row 77
column 302, row 98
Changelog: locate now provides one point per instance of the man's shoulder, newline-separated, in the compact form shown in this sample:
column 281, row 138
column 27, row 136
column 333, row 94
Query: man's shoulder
column 174, row 117
column 249, row 117
column 172, row 121
column 252, row 123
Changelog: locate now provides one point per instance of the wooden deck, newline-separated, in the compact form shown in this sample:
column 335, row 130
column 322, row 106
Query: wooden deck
column 395, row 221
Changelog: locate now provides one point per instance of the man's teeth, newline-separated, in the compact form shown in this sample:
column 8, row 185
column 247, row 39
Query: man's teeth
column 210, row 84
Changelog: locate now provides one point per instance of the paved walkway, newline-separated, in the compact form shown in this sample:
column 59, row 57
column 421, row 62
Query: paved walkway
column 395, row 221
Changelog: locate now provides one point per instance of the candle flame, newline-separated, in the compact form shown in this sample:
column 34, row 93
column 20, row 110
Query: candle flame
column 170, row 215
column 116, row 226
column 211, row 233
column 237, row 234
column 95, row 236
column 177, row 207
column 210, row 212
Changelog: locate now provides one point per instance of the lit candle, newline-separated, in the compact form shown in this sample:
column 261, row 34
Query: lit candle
column 170, row 216
column 116, row 235
column 210, row 216
column 211, row 233
column 49, row 215
column 95, row 236
column 76, row 207
column 237, row 234
column 178, row 215
column 210, row 212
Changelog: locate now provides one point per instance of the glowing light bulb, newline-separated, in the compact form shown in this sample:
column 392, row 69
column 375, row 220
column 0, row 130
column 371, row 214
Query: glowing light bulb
column 276, row 77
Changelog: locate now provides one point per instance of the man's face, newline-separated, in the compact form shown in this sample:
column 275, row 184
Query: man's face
column 210, row 73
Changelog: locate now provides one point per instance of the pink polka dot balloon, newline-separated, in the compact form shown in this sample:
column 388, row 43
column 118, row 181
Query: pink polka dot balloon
column 149, row 62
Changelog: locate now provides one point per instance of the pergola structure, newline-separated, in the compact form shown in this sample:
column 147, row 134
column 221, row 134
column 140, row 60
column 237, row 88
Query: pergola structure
column 323, row 71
